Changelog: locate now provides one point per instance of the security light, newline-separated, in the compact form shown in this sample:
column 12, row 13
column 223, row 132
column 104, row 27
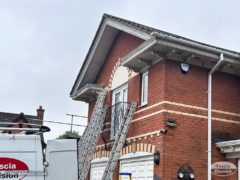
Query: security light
column 184, row 67
column 180, row 175
column 185, row 172
column 192, row 176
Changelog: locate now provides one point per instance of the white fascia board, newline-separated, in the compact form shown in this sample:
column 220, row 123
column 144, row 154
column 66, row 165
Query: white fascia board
column 196, row 50
column 210, row 51
column 228, row 143
column 230, row 148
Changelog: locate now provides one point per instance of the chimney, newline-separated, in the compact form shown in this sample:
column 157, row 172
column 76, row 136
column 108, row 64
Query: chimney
column 40, row 113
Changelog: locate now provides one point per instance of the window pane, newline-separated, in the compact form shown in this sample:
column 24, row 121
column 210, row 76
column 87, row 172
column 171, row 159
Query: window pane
column 117, row 98
column 144, row 88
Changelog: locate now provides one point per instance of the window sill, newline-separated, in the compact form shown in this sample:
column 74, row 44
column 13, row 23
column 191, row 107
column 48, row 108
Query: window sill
column 142, row 105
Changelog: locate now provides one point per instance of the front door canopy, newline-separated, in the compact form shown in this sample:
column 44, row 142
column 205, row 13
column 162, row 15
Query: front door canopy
column 230, row 148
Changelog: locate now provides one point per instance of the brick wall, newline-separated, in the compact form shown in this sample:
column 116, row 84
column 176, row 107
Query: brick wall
column 187, row 143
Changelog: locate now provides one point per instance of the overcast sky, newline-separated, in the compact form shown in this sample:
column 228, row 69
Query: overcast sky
column 44, row 42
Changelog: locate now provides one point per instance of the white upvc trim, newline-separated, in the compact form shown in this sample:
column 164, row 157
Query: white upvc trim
column 144, row 88
column 238, row 171
column 114, row 92
column 137, row 155
column 228, row 143
column 230, row 148
column 99, row 160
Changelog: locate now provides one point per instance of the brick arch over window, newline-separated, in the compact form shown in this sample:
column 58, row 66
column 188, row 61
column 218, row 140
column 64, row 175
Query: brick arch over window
column 134, row 147
column 119, row 76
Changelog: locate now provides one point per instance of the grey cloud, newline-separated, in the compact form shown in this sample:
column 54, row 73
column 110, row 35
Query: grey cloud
column 43, row 44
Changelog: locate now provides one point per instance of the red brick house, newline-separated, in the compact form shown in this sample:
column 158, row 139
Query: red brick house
column 21, row 120
column 169, row 77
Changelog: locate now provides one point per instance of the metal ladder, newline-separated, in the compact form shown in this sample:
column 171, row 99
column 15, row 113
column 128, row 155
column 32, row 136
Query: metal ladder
column 119, row 142
column 88, row 141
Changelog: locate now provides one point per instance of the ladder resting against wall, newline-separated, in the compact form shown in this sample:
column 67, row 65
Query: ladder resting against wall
column 88, row 141
column 120, row 139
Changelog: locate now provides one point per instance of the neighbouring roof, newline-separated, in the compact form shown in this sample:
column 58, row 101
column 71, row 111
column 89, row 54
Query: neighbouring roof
column 14, row 117
column 105, row 35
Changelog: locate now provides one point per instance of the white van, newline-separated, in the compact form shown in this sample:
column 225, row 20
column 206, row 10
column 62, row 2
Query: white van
column 21, row 157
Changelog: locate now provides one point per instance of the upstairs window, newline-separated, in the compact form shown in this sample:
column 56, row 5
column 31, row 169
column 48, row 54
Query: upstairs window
column 119, row 106
column 144, row 88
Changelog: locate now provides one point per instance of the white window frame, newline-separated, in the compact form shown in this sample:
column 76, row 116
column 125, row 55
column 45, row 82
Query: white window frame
column 121, row 90
column 144, row 88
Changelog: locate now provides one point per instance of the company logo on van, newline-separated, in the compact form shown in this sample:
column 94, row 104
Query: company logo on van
column 223, row 168
column 12, row 168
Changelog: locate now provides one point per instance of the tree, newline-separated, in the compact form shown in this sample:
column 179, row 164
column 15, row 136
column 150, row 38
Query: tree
column 69, row 134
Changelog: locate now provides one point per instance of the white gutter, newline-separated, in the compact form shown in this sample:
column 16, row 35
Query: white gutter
column 210, row 114
column 140, row 49
column 198, row 45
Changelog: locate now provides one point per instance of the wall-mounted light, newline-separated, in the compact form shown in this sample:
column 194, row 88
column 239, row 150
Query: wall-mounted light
column 163, row 131
column 185, row 172
column 184, row 67
column 157, row 157
column 171, row 123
